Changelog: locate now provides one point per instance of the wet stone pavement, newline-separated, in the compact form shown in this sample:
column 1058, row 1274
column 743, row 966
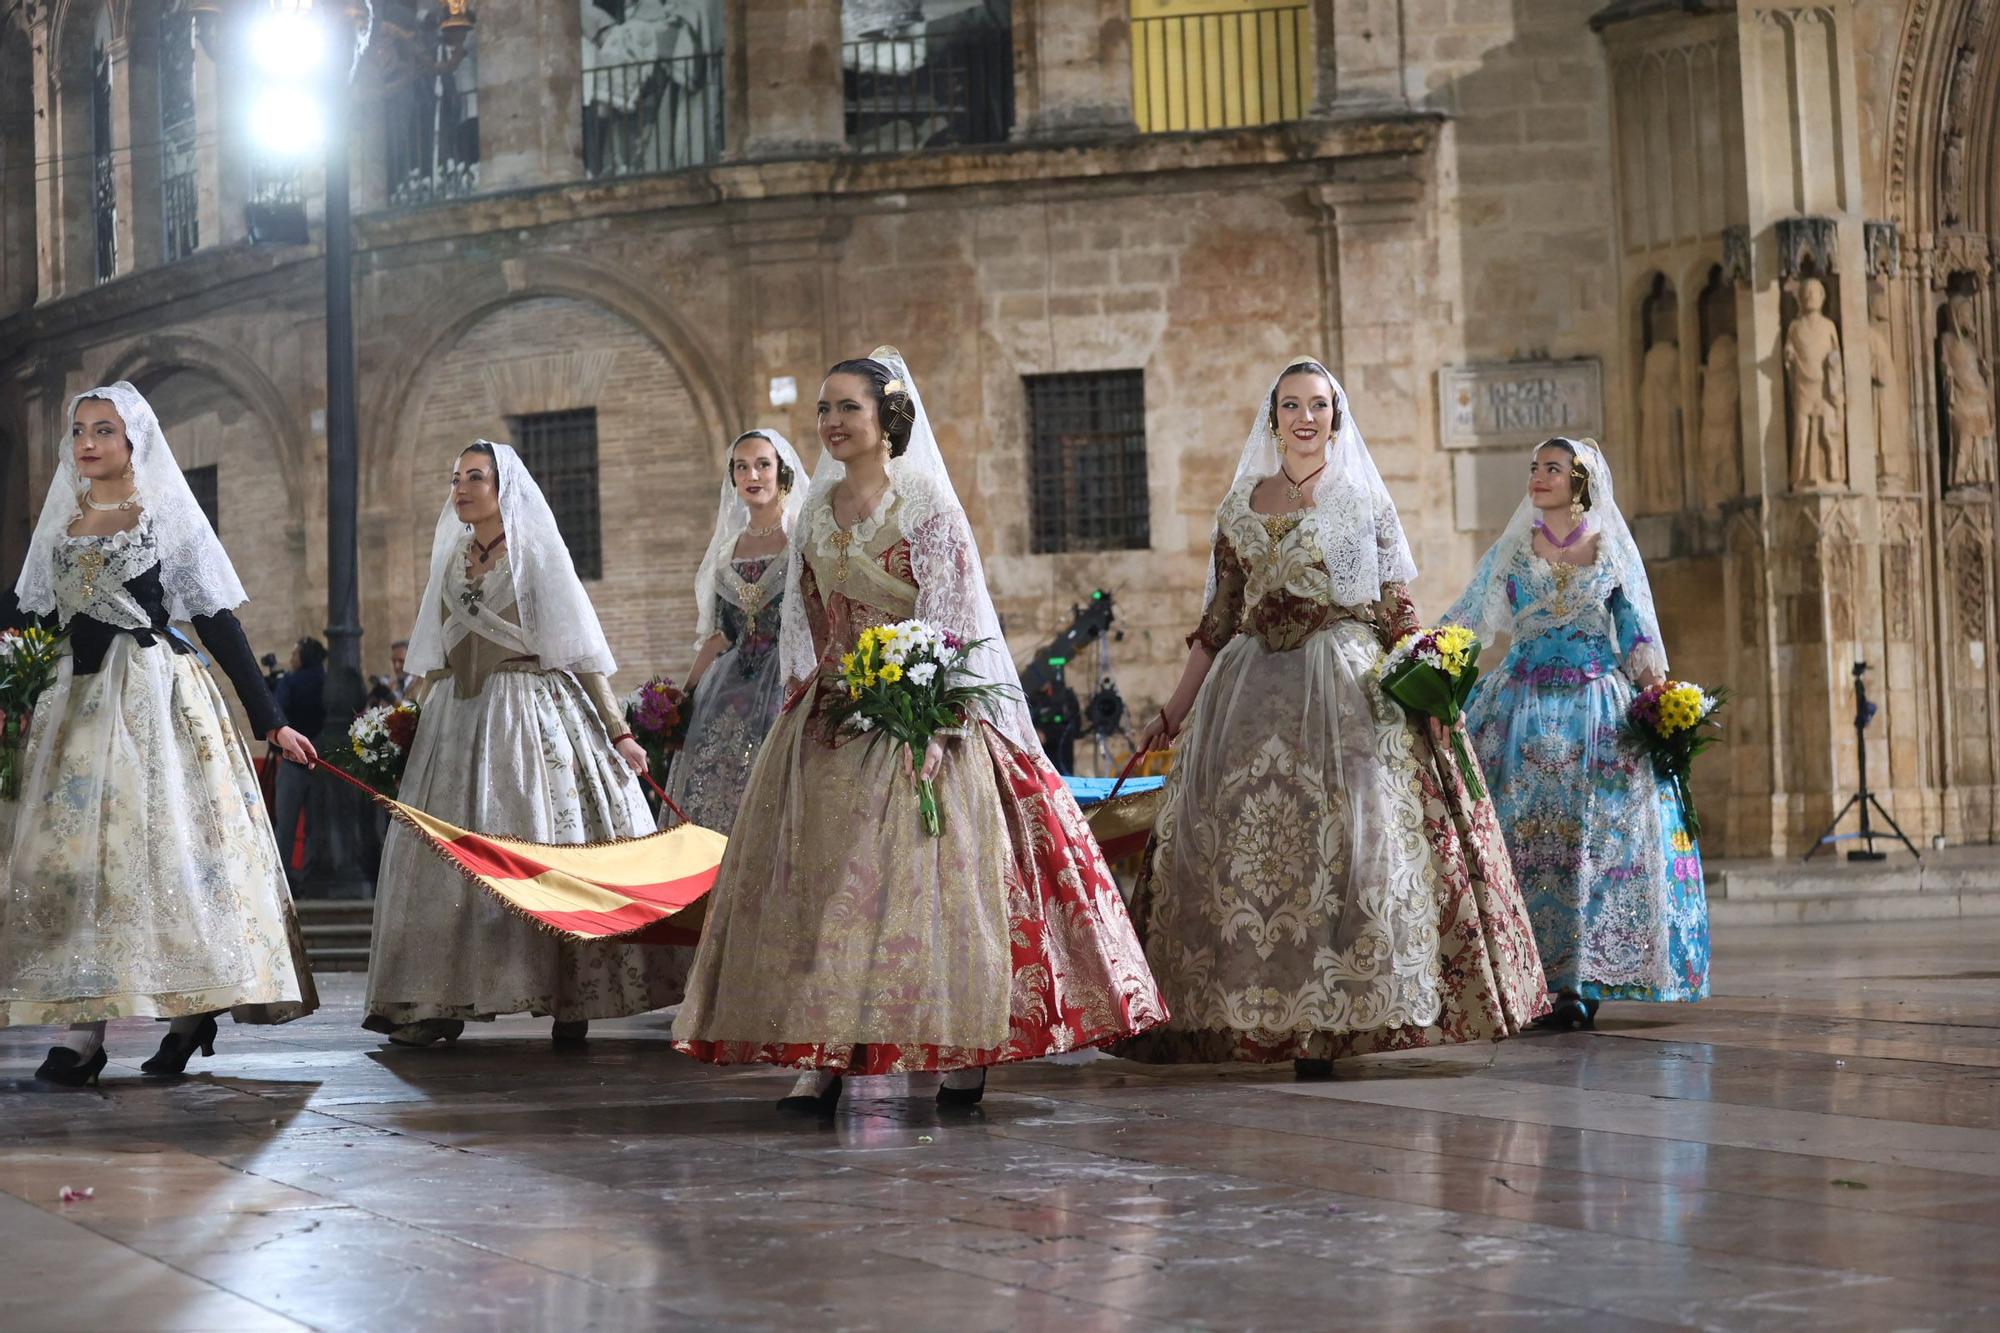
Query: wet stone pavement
column 1819, row 1146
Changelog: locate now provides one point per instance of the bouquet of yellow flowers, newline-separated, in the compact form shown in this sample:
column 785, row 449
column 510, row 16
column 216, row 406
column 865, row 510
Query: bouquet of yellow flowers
column 28, row 661
column 1432, row 672
column 1670, row 723
column 907, row 682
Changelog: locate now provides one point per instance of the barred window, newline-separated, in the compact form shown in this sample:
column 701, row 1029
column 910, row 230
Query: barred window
column 560, row 449
column 1087, row 469
column 207, row 492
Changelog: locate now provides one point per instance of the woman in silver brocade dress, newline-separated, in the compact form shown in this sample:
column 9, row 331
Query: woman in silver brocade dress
column 519, row 735
column 740, row 600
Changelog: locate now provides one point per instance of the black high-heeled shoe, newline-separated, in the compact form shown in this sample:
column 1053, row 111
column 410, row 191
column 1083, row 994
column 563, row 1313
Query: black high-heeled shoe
column 962, row 1097
column 570, row 1032
column 177, row 1049
column 822, row 1104
column 1569, row 1014
column 70, row 1070
column 1311, row 1071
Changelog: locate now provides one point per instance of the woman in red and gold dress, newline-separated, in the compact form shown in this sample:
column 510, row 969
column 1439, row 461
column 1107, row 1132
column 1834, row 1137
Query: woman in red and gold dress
column 840, row 937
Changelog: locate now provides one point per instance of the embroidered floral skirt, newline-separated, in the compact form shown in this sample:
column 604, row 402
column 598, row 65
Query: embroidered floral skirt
column 144, row 879
column 528, row 758
column 840, row 936
column 1320, row 883
column 733, row 707
column 1613, row 881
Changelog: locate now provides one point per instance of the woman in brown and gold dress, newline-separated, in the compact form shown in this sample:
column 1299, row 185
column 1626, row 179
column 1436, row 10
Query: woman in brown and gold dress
column 842, row 939
column 1320, row 882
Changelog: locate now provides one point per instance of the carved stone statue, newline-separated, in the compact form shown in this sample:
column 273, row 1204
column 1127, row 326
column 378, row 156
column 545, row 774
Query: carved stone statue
column 1660, row 428
column 1818, row 394
column 1720, row 466
column 1892, row 412
column 1968, row 397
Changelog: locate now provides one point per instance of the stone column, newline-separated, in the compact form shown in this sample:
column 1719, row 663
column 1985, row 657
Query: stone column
column 222, row 160
column 1072, row 68
column 1359, row 55
column 64, row 241
column 785, row 264
column 783, row 70
column 1375, row 289
column 530, row 93
column 135, row 137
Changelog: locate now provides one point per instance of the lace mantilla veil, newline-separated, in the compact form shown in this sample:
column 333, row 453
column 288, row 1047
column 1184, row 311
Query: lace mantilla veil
column 731, row 518
column 951, row 581
column 1359, row 532
column 1484, row 606
column 556, row 614
column 195, row 573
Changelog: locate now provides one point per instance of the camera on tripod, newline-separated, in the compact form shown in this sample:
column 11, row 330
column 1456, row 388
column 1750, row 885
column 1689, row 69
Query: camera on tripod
column 1058, row 714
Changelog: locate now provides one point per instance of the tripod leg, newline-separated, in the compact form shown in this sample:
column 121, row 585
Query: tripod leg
column 1822, row 840
column 1890, row 820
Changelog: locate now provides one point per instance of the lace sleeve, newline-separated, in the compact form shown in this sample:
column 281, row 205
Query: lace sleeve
column 952, row 594
column 1224, row 612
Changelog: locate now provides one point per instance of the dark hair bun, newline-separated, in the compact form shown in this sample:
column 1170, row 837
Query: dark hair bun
column 899, row 418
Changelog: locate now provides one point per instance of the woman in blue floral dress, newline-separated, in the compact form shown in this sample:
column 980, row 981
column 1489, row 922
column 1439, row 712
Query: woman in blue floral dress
column 1600, row 843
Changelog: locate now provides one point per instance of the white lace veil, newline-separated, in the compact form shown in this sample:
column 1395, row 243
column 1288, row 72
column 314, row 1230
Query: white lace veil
column 731, row 517
column 1485, row 606
column 951, row 581
column 556, row 614
column 1360, row 534
column 195, row 573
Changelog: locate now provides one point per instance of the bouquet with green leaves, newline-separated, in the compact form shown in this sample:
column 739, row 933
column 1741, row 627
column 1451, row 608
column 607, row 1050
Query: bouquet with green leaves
column 28, row 661
column 907, row 682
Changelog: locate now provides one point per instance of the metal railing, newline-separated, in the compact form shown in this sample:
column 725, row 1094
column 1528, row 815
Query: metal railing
column 653, row 115
column 1212, row 71
column 103, row 174
column 910, row 93
column 433, row 141
column 180, row 211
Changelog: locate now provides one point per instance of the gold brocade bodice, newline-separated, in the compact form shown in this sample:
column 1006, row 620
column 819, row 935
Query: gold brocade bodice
column 862, row 572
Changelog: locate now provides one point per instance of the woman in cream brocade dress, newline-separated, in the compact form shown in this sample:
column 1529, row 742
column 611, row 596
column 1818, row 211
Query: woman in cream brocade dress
column 516, row 736
column 1320, row 882
column 841, row 938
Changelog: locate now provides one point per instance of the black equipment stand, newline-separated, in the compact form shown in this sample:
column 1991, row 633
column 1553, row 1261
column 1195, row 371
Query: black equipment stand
column 1864, row 713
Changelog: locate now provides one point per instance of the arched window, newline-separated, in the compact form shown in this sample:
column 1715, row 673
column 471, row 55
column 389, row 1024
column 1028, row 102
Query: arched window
column 103, row 176
column 652, row 85
column 180, row 213
column 433, row 123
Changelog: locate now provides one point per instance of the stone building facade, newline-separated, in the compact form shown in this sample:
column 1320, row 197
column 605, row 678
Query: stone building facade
column 1492, row 217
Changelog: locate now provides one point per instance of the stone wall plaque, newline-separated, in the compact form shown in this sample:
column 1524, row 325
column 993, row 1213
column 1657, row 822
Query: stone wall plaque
column 1512, row 403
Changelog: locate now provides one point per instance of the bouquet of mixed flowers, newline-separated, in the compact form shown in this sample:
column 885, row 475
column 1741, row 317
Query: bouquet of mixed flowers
column 378, row 745
column 28, row 659
column 907, row 682
column 1670, row 723
column 1432, row 672
column 657, row 712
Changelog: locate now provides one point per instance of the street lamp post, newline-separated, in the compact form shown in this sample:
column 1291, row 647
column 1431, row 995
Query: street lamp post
column 340, row 824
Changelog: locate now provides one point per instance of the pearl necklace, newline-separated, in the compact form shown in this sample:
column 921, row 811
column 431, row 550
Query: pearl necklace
column 101, row 508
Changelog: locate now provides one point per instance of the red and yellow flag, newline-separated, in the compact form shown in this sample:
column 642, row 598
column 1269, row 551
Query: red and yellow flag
column 650, row 890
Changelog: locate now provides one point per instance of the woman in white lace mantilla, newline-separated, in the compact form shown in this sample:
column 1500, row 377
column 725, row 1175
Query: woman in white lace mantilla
column 144, row 879
column 519, row 734
column 1320, row 882
column 842, row 939
column 1613, row 879
column 736, row 684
